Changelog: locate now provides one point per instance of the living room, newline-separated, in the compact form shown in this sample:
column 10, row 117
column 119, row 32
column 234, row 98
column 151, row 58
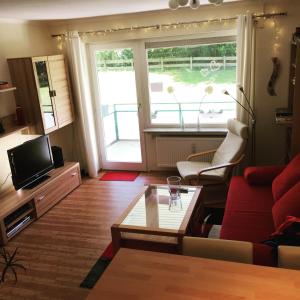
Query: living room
column 138, row 96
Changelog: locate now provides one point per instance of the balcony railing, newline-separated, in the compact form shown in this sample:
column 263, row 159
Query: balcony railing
column 121, row 119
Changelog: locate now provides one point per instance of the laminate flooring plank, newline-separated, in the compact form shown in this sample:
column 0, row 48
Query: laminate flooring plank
column 61, row 247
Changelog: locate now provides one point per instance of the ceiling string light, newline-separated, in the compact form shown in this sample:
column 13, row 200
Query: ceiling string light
column 194, row 4
column 168, row 26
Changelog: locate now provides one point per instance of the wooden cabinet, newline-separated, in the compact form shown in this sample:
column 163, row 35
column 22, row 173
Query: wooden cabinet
column 21, row 208
column 43, row 91
column 45, row 198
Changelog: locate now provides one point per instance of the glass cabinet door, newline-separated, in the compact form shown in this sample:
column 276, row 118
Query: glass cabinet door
column 46, row 102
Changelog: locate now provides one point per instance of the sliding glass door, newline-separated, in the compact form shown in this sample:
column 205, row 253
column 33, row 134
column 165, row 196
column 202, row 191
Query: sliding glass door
column 119, row 106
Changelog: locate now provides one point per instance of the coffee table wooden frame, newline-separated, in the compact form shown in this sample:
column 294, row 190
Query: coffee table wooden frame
column 189, row 221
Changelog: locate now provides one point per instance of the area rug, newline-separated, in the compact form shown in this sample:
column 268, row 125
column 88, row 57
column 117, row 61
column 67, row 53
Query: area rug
column 98, row 268
column 119, row 176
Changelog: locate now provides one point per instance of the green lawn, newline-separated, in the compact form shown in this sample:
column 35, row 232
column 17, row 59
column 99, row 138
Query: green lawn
column 195, row 76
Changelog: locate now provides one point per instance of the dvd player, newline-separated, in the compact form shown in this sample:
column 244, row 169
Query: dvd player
column 18, row 226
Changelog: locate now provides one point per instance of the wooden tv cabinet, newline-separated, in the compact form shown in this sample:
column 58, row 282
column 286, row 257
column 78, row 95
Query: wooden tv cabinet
column 20, row 208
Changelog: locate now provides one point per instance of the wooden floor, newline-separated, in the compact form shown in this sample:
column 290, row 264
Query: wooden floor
column 60, row 248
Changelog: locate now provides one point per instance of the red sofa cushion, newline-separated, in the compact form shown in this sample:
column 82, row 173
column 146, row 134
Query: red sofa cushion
column 248, row 212
column 287, row 205
column 262, row 175
column 287, row 178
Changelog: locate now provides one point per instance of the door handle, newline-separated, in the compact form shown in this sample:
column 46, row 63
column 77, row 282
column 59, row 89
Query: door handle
column 40, row 198
column 52, row 93
column 139, row 107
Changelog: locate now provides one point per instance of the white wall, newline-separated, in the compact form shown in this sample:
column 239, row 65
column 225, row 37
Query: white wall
column 20, row 39
column 23, row 39
column 270, row 137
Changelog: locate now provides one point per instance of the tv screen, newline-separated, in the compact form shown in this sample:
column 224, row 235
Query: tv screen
column 30, row 161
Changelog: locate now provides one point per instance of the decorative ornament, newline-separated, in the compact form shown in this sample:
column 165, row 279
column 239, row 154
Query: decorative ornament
column 173, row 4
column 204, row 72
column 274, row 76
column 214, row 66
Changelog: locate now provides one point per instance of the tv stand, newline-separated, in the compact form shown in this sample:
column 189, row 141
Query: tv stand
column 19, row 209
column 36, row 182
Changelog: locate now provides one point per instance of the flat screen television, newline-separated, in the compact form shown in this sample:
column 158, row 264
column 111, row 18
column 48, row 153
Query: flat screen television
column 30, row 162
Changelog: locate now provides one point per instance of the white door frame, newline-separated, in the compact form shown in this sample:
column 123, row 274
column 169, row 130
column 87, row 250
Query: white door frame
column 137, row 49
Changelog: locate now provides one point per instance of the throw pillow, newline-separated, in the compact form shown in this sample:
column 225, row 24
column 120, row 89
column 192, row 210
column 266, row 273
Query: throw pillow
column 262, row 175
column 287, row 205
column 288, row 233
column 287, row 178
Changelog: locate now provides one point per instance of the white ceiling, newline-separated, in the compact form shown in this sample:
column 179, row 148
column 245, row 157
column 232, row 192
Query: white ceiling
column 70, row 9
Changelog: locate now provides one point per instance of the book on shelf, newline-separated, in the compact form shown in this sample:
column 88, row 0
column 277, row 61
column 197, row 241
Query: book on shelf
column 284, row 116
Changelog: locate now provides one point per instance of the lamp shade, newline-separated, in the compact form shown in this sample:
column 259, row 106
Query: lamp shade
column 183, row 2
column 194, row 4
column 215, row 2
column 173, row 4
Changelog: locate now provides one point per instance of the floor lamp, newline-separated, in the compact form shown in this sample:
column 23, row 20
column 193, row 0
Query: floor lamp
column 251, row 113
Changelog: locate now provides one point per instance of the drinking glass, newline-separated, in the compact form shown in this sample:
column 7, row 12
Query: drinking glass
column 174, row 187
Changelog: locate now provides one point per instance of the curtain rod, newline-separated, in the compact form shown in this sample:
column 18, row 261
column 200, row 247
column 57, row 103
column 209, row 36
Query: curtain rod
column 174, row 25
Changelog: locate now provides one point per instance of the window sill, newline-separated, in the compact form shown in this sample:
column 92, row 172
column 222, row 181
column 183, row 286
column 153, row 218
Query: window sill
column 187, row 131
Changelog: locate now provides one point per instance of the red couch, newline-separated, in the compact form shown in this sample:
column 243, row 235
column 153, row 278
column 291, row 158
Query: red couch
column 258, row 203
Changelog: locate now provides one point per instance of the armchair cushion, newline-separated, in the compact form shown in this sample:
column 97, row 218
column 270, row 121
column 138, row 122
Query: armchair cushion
column 238, row 128
column 263, row 175
column 287, row 178
column 248, row 212
column 287, row 205
column 229, row 153
column 190, row 169
column 289, row 257
column 218, row 249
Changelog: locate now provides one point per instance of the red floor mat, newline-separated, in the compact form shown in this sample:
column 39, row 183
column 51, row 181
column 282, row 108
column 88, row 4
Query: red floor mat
column 119, row 176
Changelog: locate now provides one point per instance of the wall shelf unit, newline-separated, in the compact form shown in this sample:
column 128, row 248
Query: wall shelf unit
column 14, row 129
column 293, row 133
column 290, row 116
column 10, row 126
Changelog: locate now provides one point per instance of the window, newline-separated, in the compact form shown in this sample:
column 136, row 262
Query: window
column 187, row 80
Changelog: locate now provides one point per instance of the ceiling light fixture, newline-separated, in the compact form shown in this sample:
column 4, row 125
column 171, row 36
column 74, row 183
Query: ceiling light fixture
column 194, row 4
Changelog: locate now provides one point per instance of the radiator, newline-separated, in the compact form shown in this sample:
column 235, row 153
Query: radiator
column 169, row 150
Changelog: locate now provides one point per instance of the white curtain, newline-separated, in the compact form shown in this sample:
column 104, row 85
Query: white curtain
column 86, row 140
column 245, row 73
column 245, row 61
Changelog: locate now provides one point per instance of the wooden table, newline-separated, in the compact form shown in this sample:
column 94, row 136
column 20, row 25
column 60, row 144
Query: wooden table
column 138, row 275
column 150, row 224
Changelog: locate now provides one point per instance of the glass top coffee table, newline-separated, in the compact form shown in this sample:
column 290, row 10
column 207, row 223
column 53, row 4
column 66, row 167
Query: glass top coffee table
column 151, row 223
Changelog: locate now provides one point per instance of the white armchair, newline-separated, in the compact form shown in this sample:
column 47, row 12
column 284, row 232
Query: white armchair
column 215, row 166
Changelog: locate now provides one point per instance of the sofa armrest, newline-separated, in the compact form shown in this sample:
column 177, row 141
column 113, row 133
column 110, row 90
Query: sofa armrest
column 236, row 251
column 289, row 257
column 262, row 175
